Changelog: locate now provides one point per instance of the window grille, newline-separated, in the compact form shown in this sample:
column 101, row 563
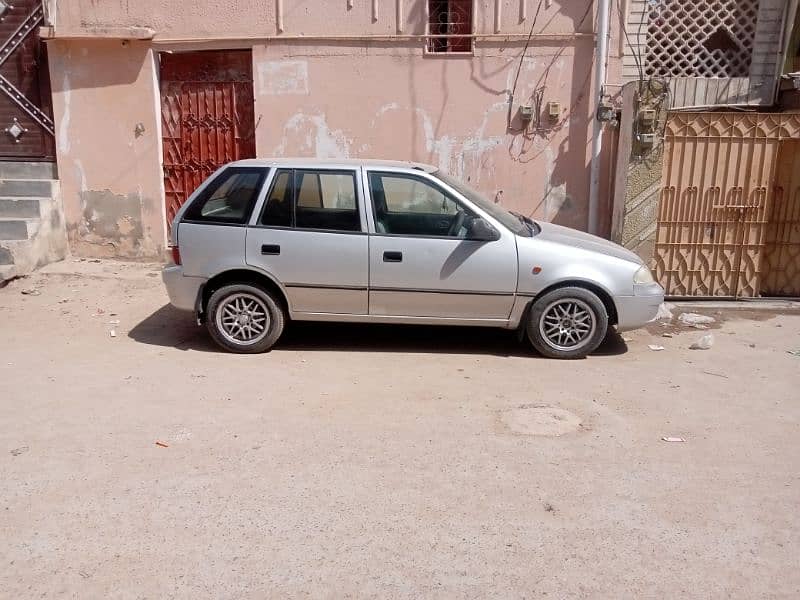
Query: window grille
column 449, row 25
column 711, row 38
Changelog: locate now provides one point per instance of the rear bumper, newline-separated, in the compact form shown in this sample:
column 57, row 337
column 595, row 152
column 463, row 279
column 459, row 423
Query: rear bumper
column 641, row 308
column 182, row 290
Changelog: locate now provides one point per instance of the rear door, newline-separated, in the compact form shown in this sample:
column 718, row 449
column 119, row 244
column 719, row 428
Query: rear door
column 311, row 236
column 421, row 265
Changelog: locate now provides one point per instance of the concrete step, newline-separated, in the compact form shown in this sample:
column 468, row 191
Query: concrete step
column 13, row 229
column 26, row 188
column 25, row 208
column 28, row 170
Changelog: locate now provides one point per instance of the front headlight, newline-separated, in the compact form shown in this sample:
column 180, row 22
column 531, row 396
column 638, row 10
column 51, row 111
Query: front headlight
column 643, row 276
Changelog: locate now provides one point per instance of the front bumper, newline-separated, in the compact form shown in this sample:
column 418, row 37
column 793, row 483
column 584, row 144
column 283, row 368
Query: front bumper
column 641, row 308
column 182, row 290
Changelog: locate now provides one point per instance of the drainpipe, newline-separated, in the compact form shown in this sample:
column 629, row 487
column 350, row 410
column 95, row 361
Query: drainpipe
column 601, row 50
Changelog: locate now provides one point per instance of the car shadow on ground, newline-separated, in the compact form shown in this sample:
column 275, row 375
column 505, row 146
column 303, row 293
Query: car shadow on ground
column 173, row 328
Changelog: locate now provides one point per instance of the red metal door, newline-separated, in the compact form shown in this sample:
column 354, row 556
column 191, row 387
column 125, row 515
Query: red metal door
column 26, row 123
column 207, row 116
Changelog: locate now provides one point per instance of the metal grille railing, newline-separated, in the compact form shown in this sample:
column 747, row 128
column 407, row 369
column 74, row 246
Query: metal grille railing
column 449, row 25
column 706, row 38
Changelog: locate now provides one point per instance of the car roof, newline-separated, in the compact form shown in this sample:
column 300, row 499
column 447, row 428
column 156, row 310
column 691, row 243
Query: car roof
column 332, row 163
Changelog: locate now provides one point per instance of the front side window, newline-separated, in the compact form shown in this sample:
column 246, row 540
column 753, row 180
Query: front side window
column 229, row 198
column 410, row 205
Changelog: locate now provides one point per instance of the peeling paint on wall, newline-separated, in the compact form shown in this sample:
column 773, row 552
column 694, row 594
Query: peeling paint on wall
column 112, row 220
column 311, row 135
column 283, row 77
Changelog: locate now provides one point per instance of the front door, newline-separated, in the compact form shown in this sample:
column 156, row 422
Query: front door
column 207, row 116
column 420, row 263
column 26, row 124
column 311, row 236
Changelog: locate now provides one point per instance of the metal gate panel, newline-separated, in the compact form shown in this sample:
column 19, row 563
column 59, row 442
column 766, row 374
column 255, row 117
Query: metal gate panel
column 782, row 248
column 717, row 177
column 26, row 124
column 207, row 118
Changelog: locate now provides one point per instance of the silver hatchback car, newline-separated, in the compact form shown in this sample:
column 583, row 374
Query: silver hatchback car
column 264, row 241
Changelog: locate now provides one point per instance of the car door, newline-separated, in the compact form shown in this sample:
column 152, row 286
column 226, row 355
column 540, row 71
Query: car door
column 311, row 236
column 421, row 262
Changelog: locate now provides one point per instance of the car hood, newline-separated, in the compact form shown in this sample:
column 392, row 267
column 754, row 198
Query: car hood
column 585, row 241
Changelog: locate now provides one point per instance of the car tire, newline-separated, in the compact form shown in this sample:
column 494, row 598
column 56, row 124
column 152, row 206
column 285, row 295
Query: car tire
column 568, row 322
column 244, row 318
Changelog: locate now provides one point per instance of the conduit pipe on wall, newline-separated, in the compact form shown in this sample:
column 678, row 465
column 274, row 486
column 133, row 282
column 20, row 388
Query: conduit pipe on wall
column 279, row 15
column 374, row 11
column 601, row 52
column 498, row 16
column 400, row 17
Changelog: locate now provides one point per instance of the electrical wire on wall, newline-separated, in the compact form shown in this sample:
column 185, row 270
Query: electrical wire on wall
column 653, row 93
column 537, row 96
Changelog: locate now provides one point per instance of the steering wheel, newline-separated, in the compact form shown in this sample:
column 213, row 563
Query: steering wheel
column 457, row 223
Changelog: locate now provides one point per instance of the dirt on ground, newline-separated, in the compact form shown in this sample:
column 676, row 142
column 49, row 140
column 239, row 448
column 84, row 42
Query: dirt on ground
column 139, row 461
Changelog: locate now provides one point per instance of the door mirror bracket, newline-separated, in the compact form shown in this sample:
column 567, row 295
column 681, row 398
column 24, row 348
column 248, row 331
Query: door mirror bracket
column 479, row 230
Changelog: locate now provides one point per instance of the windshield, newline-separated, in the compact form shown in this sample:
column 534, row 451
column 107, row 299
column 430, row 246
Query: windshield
column 517, row 223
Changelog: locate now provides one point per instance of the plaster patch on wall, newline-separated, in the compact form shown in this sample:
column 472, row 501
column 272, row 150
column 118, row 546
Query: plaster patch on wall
column 315, row 137
column 555, row 196
column 283, row 77
column 63, row 128
column 111, row 220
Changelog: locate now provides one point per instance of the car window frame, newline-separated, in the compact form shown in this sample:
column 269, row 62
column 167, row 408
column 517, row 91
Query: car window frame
column 360, row 203
column 419, row 176
column 213, row 183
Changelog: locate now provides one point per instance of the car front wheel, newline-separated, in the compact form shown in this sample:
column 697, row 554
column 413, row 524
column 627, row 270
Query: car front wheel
column 244, row 318
column 569, row 322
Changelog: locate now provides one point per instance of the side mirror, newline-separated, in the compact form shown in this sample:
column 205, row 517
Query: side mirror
column 479, row 230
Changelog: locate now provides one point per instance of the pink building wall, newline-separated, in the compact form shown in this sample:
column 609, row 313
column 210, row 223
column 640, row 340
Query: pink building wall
column 333, row 94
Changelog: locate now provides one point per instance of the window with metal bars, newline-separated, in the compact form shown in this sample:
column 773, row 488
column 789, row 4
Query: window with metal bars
column 449, row 26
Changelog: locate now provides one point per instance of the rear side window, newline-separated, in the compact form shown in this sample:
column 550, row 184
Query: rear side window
column 310, row 199
column 278, row 207
column 229, row 198
column 326, row 200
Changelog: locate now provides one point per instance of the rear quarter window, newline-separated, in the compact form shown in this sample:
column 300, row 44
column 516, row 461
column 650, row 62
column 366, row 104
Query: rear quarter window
column 230, row 198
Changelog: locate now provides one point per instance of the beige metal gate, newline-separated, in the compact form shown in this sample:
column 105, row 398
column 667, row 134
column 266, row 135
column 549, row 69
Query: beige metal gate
column 718, row 186
column 782, row 248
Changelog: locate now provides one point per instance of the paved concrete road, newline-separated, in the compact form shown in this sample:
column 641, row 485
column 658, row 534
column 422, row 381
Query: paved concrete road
column 386, row 462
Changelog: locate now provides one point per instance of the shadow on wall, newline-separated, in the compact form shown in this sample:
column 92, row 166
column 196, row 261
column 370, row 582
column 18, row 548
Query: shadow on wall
column 566, row 195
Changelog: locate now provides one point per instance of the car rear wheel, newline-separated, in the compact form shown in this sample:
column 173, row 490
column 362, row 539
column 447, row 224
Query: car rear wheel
column 244, row 318
column 569, row 322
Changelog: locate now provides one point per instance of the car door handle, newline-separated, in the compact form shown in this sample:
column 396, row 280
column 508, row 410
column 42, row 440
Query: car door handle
column 390, row 256
column 270, row 249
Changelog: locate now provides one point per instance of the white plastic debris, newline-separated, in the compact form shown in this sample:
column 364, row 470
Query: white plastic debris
column 665, row 312
column 113, row 333
column 694, row 319
column 672, row 439
column 655, row 347
column 704, row 343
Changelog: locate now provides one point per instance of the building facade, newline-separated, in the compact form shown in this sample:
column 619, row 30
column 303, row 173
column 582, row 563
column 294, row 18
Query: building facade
column 149, row 97
column 135, row 103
